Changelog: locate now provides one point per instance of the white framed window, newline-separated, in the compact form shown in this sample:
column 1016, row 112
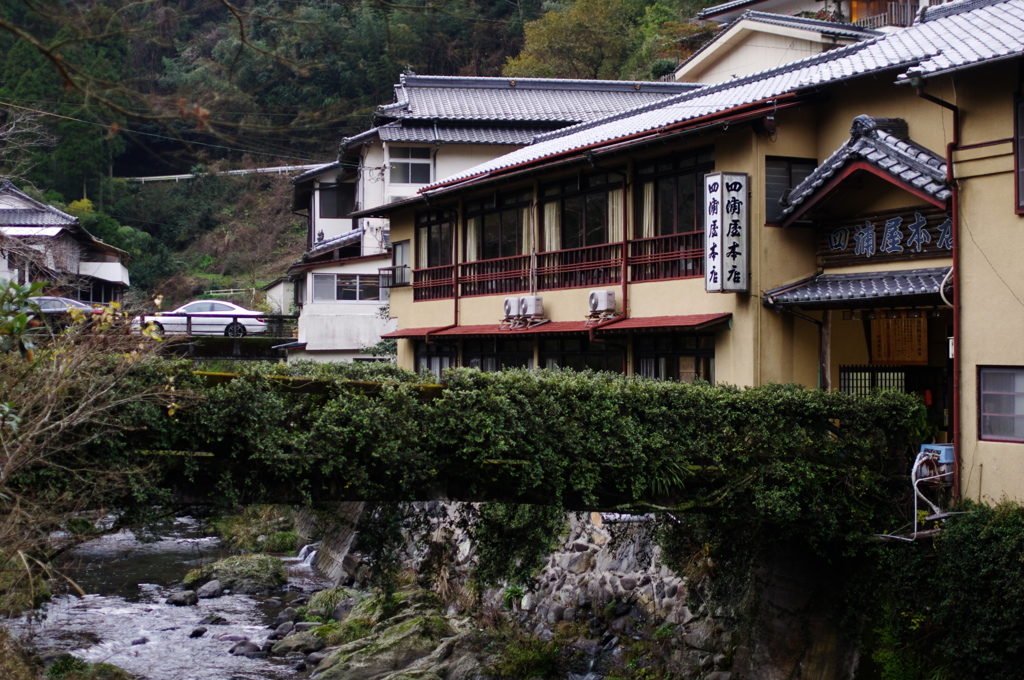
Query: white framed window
column 409, row 164
column 1001, row 403
column 346, row 287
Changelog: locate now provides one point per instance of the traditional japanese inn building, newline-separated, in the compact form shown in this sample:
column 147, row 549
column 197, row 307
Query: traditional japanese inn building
column 846, row 221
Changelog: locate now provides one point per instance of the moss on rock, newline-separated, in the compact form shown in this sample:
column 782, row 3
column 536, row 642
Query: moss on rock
column 242, row 573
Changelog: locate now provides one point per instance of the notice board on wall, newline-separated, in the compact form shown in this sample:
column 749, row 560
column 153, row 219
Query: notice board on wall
column 901, row 340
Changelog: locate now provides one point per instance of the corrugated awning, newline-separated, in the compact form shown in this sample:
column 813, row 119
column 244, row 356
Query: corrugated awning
column 691, row 322
column 687, row 321
column 890, row 288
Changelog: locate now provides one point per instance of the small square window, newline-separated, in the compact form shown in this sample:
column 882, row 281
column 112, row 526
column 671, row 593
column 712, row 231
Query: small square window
column 1001, row 404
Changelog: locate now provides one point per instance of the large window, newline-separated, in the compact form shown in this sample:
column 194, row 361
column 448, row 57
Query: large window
column 675, row 356
column 435, row 357
column 434, row 231
column 498, row 226
column 583, row 211
column 579, row 354
column 409, row 165
column 337, row 200
column 497, row 354
column 346, row 287
column 668, row 195
column 781, row 175
column 1001, row 407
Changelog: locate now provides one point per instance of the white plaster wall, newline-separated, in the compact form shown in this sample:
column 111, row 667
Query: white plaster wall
column 755, row 52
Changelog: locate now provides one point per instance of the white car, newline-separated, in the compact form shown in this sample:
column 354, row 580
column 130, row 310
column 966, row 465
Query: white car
column 206, row 317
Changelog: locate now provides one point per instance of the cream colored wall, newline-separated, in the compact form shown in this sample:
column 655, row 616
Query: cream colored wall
column 751, row 52
column 991, row 241
column 453, row 158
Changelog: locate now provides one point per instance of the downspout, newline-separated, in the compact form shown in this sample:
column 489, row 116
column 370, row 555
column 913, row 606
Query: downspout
column 954, row 228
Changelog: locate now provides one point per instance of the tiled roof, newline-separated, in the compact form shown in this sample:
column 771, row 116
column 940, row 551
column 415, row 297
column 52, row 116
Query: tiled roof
column 951, row 41
column 464, row 134
column 520, row 99
column 41, row 215
column 830, row 28
column 847, row 289
column 710, row 12
column 346, row 239
column 882, row 143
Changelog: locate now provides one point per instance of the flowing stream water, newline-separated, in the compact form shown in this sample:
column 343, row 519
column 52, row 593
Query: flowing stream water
column 123, row 620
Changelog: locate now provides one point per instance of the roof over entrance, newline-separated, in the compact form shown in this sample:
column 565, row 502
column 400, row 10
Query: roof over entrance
column 868, row 289
column 880, row 146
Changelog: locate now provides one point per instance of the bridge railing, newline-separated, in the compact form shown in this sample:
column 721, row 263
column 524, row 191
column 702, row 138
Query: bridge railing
column 275, row 325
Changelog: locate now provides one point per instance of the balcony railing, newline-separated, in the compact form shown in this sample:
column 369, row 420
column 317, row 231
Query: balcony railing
column 590, row 266
column 667, row 257
column 394, row 277
column 898, row 14
column 434, row 283
column 492, row 277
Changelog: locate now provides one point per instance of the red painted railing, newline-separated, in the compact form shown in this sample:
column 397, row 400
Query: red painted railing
column 493, row 277
column 394, row 277
column 579, row 267
column 435, row 283
column 667, row 257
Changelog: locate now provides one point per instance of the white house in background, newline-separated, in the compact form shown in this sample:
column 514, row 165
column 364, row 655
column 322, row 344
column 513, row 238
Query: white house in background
column 755, row 41
column 41, row 243
column 761, row 34
column 436, row 127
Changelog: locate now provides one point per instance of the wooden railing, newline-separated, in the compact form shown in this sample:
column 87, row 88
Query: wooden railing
column 579, row 267
column 666, row 257
column 394, row 277
column 898, row 14
column 434, row 283
column 492, row 277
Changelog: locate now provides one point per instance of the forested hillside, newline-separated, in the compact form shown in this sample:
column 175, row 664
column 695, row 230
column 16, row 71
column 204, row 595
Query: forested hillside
column 92, row 90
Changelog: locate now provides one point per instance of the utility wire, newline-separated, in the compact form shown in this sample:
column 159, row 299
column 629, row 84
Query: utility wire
column 153, row 134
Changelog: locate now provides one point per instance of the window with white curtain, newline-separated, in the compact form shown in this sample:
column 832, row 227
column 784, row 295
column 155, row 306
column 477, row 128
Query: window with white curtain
column 668, row 196
column 434, row 231
column 1001, row 407
column 583, row 211
column 499, row 226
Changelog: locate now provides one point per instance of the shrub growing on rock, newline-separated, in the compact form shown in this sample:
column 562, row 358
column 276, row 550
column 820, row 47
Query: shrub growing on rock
column 254, row 573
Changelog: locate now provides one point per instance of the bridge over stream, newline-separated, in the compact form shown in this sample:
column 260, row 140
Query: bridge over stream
column 227, row 336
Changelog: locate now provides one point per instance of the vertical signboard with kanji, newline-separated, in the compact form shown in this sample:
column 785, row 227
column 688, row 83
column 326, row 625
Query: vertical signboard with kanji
column 726, row 233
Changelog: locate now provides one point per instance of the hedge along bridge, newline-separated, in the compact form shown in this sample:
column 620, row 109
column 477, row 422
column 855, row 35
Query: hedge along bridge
column 583, row 441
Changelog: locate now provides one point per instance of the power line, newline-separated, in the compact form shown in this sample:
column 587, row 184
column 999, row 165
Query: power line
column 153, row 134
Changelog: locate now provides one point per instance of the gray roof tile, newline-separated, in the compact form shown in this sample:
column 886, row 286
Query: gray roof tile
column 877, row 141
column 520, row 99
column 825, row 289
column 464, row 134
column 926, row 48
column 41, row 215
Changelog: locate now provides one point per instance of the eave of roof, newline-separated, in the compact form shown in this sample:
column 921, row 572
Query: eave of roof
column 689, row 322
column 857, row 289
column 873, row 148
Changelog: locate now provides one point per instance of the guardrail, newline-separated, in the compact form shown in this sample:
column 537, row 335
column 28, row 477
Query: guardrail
column 277, row 325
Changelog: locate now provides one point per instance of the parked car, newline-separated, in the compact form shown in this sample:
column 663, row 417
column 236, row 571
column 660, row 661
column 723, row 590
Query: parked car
column 56, row 312
column 207, row 317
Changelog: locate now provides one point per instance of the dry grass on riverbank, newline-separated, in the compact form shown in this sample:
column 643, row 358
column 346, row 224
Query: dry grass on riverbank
column 15, row 664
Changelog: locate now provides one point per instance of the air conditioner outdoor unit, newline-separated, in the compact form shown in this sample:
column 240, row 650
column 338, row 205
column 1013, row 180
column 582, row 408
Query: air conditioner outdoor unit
column 602, row 301
column 531, row 306
column 512, row 308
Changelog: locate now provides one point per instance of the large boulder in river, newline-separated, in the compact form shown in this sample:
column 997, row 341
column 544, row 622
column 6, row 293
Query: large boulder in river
column 210, row 589
column 306, row 643
column 246, row 574
column 184, row 598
